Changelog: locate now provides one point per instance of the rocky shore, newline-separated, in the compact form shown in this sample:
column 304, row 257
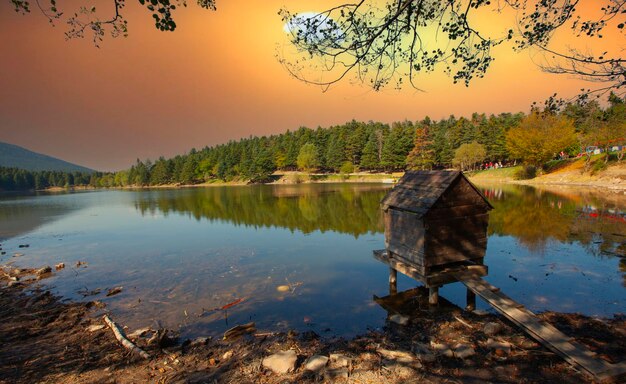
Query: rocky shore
column 47, row 339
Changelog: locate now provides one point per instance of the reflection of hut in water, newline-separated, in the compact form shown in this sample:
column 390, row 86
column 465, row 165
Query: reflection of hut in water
column 435, row 223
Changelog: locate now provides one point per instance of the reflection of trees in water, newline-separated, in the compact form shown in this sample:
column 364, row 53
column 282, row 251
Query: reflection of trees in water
column 23, row 215
column 535, row 217
column 352, row 209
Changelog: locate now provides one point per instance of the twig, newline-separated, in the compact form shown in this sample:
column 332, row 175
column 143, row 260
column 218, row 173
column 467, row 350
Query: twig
column 463, row 322
column 119, row 335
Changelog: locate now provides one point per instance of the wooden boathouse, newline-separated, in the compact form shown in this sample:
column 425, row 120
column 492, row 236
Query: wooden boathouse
column 435, row 224
column 436, row 233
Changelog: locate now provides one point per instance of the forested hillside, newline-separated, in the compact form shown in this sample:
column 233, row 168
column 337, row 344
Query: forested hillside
column 13, row 156
column 464, row 143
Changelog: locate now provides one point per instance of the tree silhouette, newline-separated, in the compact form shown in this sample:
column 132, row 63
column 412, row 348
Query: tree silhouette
column 394, row 43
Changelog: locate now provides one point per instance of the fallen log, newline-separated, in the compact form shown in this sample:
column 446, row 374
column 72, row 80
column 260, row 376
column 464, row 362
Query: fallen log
column 119, row 335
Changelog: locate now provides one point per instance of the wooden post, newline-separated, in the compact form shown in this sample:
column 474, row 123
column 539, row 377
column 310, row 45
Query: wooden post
column 470, row 300
column 433, row 295
column 393, row 281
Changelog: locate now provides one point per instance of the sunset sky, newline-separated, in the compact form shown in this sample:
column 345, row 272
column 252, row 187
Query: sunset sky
column 214, row 79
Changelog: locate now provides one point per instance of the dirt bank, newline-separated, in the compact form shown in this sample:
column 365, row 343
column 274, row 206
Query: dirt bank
column 614, row 177
column 46, row 339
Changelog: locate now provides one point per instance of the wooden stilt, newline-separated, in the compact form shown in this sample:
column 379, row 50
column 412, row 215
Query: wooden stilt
column 433, row 295
column 393, row 281
column 470, row 300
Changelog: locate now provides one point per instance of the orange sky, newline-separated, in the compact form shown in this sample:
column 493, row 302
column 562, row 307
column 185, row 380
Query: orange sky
column 216, row 78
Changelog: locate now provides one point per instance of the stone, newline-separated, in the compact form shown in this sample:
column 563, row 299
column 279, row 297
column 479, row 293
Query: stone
column 423, row 353
column 199, row 341
column 315, row 363
column 480, row 312
column 95, row 327
column 498, row 345
column 402, row 371
column 338, row 360
column 442, row 349
column 399, row 319
column 336, row 373
column 59, row 266
column 283, row 288
column 399, row 356
column 138, row 333
column 114, row 291
column 281, row 362
column 43, row 271
column 463, row 351
column 491, row 329
column 227, row 355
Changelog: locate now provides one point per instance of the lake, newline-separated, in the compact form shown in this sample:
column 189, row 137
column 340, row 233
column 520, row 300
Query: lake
column 300, row 256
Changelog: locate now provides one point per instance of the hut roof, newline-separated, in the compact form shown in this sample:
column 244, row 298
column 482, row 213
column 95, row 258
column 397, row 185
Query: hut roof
column 418, row 191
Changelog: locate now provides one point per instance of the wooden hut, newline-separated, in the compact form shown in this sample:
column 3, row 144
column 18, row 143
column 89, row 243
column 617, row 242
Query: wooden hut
column 435, row 220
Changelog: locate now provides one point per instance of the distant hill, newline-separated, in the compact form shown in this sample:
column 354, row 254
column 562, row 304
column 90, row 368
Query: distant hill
column 13, row 156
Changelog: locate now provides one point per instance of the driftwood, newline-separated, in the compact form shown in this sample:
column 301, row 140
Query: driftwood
column 239, row 331
column 119, row 335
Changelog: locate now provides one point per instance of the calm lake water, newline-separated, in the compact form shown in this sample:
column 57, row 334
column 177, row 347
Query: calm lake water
column 180, row 254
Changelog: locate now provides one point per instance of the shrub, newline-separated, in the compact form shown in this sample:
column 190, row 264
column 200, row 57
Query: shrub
column 526, row 172
column 598, row 166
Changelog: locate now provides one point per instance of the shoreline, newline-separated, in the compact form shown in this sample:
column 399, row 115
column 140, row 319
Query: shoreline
column 48, row 339
column 615, row 181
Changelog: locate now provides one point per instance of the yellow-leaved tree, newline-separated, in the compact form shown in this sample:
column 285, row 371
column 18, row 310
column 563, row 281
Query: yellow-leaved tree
column 540, row 137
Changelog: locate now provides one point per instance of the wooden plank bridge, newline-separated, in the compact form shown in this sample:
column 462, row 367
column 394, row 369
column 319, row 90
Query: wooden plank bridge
column 573, row 352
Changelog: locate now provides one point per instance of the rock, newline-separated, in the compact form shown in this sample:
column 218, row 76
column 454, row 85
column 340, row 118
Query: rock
column 315, row 363
column 14, row 283
column 281, row 362
column 402, row 371
column 338, row 360
column 463, row 351
column 442, row 349
column 138, row 333
column 3, row 253
column 491, row 329
column 114, row 291
column 399, row 356
column 43, row 271
column 59, row 266
column 336, row 373
column 199, row 341
column 23, row 246
column 282, row 288
column 480, row 312
column 95, row 327
column 18, row 254
column 227, row 355
column 423, row 353
column 498, row 345
column 399, row 319
column 368, row 362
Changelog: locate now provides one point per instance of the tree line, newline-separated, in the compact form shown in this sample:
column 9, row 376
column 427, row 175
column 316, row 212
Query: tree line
column 464, row 143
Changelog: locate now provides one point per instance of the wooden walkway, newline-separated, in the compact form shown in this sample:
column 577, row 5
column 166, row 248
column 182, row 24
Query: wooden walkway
column 573, row 352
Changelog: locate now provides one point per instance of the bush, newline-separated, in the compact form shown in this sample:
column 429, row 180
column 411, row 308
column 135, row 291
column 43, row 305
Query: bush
column 346, row 168
column 598, row 166
column 554, row 165
column 526, row 172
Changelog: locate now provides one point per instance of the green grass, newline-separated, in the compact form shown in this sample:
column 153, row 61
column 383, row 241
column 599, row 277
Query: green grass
column 500, row 173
